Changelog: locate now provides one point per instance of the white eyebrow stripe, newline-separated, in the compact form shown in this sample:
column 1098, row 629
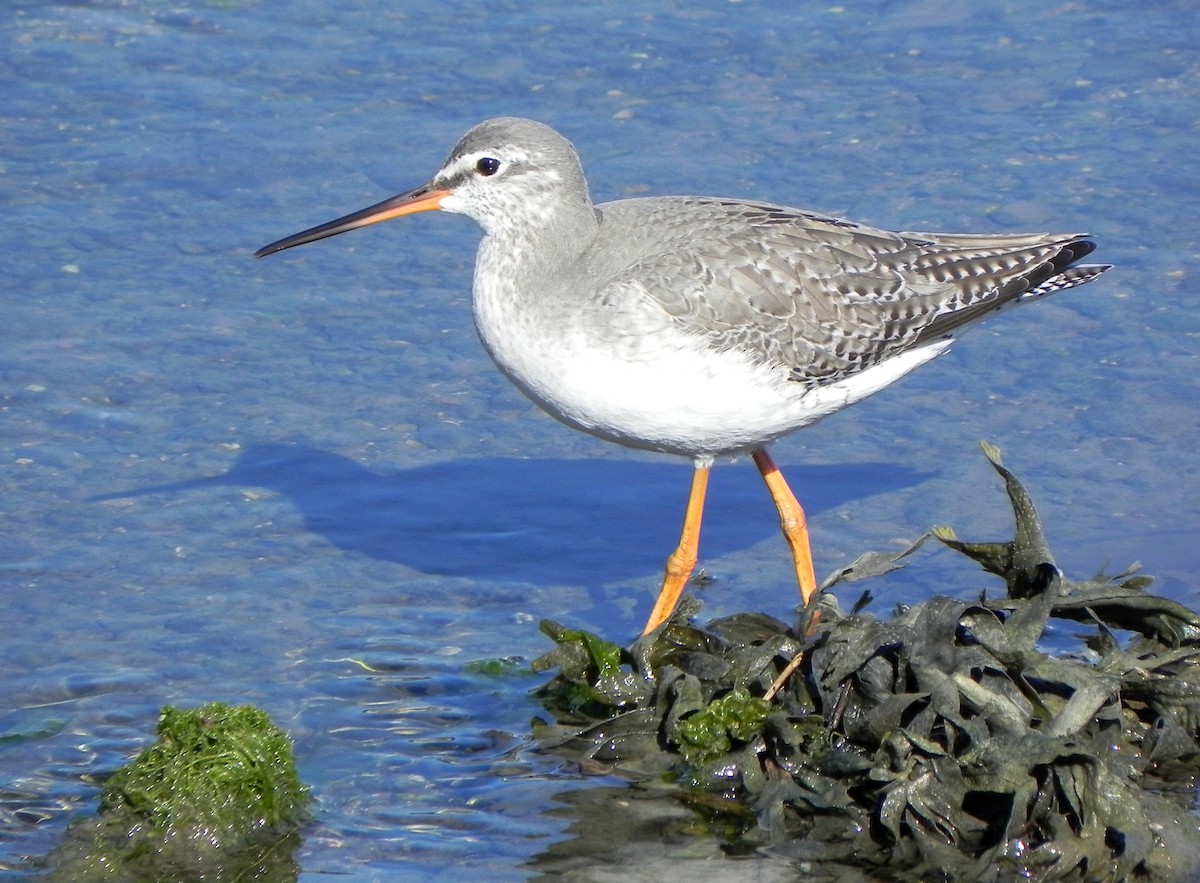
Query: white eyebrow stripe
column 466, row 162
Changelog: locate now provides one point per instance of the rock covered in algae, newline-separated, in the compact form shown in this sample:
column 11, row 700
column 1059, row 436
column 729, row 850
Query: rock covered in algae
column 217, row 797
column 942, row 742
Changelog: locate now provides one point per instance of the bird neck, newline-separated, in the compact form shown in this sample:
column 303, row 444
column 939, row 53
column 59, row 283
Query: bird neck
column 556, row 237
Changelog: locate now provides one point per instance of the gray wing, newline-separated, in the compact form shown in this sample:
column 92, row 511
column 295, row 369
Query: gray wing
column 825, row 297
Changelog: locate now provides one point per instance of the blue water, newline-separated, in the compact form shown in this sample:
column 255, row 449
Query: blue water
column 298, row 482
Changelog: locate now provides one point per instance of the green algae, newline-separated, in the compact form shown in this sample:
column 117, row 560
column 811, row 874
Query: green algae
column 737, row 717
column 216, row 797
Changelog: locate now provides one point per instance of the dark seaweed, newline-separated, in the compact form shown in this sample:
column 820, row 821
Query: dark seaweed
column 940, row 743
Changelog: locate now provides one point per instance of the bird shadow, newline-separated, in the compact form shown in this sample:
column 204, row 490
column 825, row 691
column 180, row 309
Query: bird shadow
column 541, row 521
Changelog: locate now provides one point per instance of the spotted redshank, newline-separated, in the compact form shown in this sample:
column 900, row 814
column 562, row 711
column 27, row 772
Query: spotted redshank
column 701, row 326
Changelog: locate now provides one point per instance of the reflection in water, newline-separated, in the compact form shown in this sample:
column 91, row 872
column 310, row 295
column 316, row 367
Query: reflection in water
column 648, row 832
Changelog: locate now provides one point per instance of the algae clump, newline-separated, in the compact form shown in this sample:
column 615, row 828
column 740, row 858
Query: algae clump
column 216, row 797
column 944, row 741
column 710, row 732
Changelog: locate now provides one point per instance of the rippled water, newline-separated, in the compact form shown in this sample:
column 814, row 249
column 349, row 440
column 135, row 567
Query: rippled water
column 299, row 483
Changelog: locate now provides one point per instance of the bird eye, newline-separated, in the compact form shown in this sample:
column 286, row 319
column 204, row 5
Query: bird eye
column 488, row 166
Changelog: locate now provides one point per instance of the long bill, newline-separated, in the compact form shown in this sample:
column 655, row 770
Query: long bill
column 423, row 199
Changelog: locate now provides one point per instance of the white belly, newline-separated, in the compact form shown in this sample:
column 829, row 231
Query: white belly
column 664, row 390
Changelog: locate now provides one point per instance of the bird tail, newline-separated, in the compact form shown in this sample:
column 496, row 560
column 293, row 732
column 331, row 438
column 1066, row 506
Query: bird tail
column 1068, row 278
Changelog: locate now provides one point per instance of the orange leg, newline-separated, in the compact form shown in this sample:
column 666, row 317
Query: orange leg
column 682, row 561
column 792, row 520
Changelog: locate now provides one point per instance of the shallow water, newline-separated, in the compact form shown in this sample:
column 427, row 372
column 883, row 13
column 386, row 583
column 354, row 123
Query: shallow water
column 299, row 483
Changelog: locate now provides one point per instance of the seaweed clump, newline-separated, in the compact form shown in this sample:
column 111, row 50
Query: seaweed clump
column 217, row 797
column 940, row 742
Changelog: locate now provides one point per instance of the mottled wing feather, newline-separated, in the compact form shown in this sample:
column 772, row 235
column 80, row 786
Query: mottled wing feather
column 821, row 296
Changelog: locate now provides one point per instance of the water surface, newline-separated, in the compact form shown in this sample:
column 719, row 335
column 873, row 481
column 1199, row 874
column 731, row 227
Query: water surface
column 299, row 483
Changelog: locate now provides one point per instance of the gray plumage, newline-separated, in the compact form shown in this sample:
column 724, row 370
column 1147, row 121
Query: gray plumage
column 823, row 296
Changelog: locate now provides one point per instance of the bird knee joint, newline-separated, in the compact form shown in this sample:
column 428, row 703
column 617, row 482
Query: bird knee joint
column 681, row 562
column 792, row 522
